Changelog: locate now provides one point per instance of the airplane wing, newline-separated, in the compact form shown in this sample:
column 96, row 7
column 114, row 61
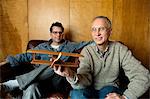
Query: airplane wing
column 54, row 53
column 51, row 63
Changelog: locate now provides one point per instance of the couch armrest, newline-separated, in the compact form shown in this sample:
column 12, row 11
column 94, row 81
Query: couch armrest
column 34, row 43
column 7, row 72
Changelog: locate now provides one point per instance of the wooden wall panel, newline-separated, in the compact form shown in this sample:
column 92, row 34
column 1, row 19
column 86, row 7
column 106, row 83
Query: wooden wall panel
column 14, row 29
column 131, row 26
column 42, row 13
column 81, row 14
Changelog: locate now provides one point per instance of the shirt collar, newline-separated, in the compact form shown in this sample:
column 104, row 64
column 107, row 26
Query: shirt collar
column 60, row 47
column 106, row 50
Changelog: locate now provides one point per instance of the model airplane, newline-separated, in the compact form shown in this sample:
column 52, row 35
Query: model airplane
column 54, row 62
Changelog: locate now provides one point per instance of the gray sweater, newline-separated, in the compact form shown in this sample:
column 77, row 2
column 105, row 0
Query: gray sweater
column 102, row 69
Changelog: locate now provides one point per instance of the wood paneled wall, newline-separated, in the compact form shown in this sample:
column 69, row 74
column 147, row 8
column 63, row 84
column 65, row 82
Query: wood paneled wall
column 42, row 13
column 13, row 27
column 81, row 14
column 130, row 18
column 131, row 25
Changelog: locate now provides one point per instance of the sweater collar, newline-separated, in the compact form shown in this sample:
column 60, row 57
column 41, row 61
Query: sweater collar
column 107, row 50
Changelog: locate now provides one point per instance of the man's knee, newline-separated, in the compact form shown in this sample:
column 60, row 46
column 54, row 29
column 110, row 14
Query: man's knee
column 77, row 94
column 32, row 87
column 32, row 91
column 81, row 93
column 108, row 89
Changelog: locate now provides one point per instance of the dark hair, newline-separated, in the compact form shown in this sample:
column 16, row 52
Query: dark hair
column 58, row 24
column 104, row 17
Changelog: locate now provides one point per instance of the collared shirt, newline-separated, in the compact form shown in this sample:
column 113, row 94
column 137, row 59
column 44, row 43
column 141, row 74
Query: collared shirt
column 102, row 53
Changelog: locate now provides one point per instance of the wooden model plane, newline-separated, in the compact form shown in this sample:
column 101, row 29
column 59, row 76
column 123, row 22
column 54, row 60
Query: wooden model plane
column 54, row 62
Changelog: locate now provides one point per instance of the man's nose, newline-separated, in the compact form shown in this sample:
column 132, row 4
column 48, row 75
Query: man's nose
column 98, row 32
column 58, row 34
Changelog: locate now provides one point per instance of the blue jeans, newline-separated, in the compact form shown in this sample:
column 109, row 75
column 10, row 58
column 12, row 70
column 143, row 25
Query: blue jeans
column 92, row 93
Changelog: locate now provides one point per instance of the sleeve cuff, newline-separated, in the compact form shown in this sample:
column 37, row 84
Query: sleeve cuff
column 125, row 97
column 73, row 80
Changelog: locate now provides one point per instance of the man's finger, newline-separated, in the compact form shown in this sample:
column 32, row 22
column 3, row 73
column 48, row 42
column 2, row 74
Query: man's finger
column 59, row 68
column 55, row 68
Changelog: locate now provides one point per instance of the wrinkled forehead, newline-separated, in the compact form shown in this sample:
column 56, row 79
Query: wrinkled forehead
column 100, row 22
column 56, row 28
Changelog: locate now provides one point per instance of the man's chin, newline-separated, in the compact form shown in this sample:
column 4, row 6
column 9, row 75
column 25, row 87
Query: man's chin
column 58, row 41
column 99, row 42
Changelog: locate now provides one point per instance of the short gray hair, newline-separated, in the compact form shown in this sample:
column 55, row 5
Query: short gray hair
column 103, row 17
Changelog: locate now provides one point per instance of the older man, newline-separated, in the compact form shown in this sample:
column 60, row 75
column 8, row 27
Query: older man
column 99, row 69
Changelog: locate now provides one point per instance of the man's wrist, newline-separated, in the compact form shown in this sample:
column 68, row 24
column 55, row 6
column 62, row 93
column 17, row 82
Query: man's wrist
column 71, row 76
column 72, row 79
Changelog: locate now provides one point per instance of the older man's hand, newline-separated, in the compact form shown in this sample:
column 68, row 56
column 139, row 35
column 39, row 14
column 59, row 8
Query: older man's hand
column 63, row 71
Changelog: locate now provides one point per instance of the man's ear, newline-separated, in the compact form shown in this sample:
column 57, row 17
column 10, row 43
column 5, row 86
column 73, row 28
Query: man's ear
column 50, row 34
column 63, row 35
column 110, row 31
